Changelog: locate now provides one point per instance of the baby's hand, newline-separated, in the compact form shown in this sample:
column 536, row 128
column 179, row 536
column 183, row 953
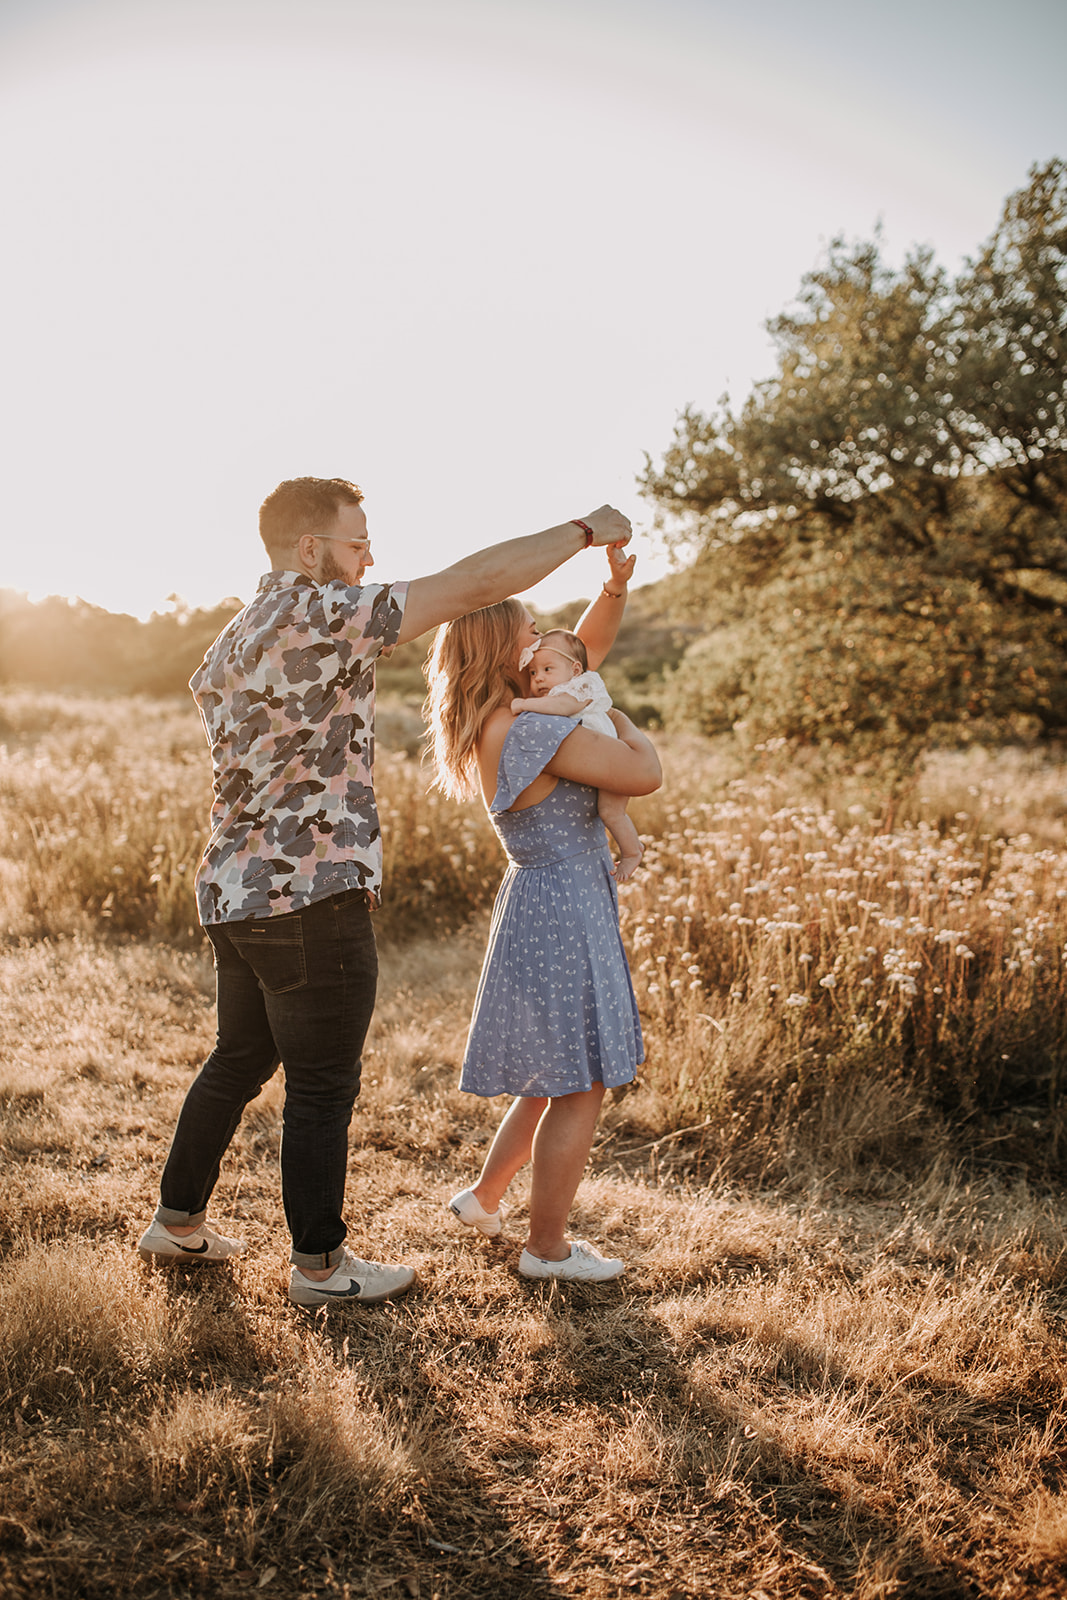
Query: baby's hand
column 621, row 566
column 517, row 705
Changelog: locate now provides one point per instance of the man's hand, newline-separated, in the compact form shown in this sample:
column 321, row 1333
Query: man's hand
column 609, row 526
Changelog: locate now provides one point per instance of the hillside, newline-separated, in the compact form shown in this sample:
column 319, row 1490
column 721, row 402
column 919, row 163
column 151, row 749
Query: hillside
column 67, row 644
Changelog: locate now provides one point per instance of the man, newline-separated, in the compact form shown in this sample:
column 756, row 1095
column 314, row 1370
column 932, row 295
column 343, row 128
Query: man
column 293, row 866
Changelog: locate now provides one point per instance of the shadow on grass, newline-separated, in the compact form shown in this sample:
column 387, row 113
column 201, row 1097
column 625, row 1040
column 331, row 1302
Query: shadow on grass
column 825, row 1516
column 550, row 1440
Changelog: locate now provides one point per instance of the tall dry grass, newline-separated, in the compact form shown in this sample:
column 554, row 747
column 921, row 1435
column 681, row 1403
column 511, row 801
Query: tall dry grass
column 104, row 806
column 837, row 1363
column 814, row 972
column 804, row 963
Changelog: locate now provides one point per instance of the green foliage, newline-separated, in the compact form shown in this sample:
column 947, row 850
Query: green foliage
column 880, row 534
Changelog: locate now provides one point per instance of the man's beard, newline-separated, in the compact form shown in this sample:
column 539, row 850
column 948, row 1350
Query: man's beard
column 331, row 571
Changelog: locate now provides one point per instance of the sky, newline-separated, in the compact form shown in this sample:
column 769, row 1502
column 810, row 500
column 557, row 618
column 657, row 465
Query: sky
column 475, row 255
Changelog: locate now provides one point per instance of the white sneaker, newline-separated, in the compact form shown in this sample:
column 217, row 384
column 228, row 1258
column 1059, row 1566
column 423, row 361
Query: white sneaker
column 469, row 1209
column 352, row 1279
column 157, row 1244
column 583, row 1263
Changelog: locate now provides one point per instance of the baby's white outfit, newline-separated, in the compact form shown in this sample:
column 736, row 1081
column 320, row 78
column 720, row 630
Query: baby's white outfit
column 589, row 686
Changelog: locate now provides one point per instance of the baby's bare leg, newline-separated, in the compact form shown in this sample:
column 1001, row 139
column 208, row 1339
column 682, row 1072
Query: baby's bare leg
column 612, row 811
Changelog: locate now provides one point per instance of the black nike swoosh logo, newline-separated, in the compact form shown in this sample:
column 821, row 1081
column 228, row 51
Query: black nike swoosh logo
column 194, row 1249
column 344, row 1294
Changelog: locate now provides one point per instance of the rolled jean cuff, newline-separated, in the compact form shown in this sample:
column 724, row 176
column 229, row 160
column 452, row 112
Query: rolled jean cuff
column 318, row 1263
column 179, row 1219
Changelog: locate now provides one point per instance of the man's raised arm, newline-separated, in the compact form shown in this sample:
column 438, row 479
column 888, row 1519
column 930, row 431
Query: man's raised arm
column 502, row 570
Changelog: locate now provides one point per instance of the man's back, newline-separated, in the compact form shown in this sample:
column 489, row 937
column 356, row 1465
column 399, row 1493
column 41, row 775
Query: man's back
column 286, row 694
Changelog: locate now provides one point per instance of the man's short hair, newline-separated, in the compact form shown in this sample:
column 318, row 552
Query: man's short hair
column 302, row 505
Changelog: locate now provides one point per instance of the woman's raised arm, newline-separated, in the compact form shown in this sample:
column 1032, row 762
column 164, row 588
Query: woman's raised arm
column 599, row 622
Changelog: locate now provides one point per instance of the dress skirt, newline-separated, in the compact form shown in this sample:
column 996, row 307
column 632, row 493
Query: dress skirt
column 555, row 1010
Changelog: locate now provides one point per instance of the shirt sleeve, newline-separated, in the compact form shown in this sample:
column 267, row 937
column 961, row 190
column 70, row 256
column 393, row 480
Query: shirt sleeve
column 577, row 688
column 595, row 690
column 366, row 618
column 529, row 745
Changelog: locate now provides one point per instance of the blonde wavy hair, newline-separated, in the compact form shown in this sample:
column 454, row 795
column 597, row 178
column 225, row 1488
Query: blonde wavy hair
column 472, row 670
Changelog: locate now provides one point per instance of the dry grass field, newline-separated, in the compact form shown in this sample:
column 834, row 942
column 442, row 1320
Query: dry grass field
column 837, row 1365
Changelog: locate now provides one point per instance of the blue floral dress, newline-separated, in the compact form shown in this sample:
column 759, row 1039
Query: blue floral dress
column 555, row 1009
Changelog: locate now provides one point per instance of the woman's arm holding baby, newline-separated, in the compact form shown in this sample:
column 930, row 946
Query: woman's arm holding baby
column 626, row 765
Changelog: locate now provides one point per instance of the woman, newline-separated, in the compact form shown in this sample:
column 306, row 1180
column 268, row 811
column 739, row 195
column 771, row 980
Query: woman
column 555, row 1021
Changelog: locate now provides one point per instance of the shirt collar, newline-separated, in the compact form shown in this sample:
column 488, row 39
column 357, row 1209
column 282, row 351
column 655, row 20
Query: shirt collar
column 284, row 578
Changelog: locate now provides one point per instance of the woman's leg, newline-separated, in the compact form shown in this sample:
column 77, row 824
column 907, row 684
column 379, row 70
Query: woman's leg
column 561, row 1148
column 510, row 1150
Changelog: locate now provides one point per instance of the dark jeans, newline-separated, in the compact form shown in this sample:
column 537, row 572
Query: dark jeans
column 299, row 989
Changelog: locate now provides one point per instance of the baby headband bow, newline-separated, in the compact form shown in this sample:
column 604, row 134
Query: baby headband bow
column 528, row 654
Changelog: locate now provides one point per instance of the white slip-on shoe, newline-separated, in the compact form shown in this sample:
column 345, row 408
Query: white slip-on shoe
column 205, row 1244
column 364, row 1282
column 469, row 1210
column 584, row 1264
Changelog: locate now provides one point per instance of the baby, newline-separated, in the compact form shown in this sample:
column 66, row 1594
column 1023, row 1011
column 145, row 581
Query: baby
column 563, row 686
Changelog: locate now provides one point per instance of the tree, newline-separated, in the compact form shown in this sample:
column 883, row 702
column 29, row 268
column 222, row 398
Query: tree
column 879, row 534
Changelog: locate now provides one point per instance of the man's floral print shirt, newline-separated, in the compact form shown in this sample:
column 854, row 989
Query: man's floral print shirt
column 286, row 694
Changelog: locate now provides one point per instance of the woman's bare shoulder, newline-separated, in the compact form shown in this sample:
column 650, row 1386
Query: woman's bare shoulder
column 497, row 726
column 490, row 745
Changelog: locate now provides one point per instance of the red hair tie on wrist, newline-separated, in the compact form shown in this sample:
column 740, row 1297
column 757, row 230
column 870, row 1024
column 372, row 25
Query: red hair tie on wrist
column 586, row 529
